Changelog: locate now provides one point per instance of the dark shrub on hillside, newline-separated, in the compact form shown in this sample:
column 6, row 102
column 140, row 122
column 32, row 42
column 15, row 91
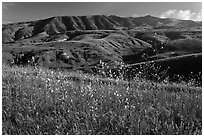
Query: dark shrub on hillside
column 173, row 34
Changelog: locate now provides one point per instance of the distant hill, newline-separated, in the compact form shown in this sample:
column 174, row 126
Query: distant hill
column 62, row 24
column 98, row 42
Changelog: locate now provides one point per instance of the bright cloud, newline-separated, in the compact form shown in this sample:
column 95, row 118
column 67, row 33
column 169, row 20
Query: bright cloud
column 182, row 14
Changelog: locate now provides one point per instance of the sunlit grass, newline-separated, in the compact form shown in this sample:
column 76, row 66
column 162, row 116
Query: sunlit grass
column 43, row 101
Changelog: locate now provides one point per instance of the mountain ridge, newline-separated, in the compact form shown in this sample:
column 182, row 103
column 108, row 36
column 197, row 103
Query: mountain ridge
column 61, row 24
column 9, row 23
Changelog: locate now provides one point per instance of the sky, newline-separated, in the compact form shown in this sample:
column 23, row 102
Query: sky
column 27, row 11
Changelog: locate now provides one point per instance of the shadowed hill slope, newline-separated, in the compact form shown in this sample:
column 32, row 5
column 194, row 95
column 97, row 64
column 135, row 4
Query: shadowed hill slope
column 84, row 51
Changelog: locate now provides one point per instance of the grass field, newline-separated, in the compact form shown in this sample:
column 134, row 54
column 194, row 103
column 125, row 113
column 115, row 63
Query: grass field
column 42, row 101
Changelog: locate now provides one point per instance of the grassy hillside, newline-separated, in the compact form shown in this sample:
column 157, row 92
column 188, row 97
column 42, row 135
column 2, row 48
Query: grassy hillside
column 102, row 75
column 41, row 101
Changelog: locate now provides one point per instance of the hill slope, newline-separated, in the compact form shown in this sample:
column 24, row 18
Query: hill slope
column 83, row 42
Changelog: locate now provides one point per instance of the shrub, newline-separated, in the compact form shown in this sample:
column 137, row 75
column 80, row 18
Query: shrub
column 173, row 34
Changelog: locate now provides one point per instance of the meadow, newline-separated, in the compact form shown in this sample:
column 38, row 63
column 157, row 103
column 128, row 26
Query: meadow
column 40, row 101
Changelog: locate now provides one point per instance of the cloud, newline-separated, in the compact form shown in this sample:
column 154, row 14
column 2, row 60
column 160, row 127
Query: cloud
column 6, row 5
column 139, row 15
column 182, row 14
column 135, row 15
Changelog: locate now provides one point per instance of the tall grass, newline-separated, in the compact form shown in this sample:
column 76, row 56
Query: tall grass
column 42, row 101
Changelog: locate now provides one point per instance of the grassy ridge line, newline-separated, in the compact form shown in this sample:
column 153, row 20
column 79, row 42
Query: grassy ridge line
column 80, row 78
column 74, row 76
column 160, row 60
column 41, row 101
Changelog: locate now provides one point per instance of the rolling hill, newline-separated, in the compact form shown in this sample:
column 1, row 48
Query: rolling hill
column 83, row 42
